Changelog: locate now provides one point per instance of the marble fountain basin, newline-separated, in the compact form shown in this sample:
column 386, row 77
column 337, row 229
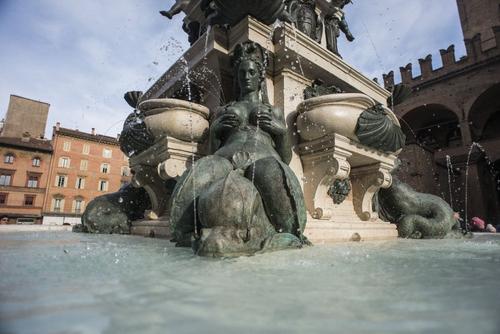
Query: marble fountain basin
column 63, row 282
column 180, row 119
column 335, row 113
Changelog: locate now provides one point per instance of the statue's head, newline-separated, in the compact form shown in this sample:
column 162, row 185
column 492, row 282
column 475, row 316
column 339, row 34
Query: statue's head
column 249, row 64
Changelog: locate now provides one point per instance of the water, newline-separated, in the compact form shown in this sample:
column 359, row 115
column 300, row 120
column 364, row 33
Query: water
column 75, row 283
column 190, row 99
column 449, row 166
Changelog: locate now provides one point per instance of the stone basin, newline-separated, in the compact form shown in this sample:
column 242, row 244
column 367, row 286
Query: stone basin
column 180, row 119
column 63, row 282
column 335, row 113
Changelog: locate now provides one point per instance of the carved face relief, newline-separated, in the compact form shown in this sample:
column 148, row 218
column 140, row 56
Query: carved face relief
column 248, row 77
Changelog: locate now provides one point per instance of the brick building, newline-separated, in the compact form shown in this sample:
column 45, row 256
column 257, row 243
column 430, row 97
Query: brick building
column 25, row 116
column 24, row 169
column 24, row 161
column 453, row 109
column 83, row 166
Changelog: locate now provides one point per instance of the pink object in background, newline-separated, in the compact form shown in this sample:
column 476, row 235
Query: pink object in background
column 491, row 229
column 478, row 224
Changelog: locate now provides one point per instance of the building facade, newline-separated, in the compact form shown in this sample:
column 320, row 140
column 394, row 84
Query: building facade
column 83, row 166
column 24, row 161
column 24, row 167
column 25, row 117
column 452, row 118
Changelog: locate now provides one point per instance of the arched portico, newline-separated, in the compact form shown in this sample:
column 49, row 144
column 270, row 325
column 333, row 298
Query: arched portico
column 484, row 115
column 432, row 125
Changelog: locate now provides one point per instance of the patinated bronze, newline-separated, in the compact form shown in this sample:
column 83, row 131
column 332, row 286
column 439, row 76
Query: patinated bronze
column 306, row 20
column 135, row 137
column 243, row 198
column 339, row 190
column 418, row 215
column 319, row 88
column 377, row 130
column 113, row 213
column 335, row 23
column 178, row 7
column 230, row 12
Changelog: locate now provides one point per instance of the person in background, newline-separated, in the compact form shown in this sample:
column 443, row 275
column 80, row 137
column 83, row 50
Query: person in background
column 477, row 224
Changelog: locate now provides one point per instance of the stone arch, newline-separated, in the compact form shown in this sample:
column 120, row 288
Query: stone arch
column 484, row 114
column 433, row 125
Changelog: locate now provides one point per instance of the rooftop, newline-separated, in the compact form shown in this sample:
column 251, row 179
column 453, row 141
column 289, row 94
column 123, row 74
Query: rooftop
column 86, row 136
column 26, row 98
column 27, row 143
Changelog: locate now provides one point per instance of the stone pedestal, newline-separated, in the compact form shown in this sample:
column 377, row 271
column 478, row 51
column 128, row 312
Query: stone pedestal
column 160, row 228
column 337, row 157
column 156, row 170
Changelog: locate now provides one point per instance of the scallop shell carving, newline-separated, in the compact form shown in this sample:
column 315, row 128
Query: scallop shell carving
column 377, row 130
column 133, row 98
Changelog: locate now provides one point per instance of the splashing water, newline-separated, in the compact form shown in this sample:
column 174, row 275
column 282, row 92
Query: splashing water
column 466, row 217
column 450, row 171
column 191, row 121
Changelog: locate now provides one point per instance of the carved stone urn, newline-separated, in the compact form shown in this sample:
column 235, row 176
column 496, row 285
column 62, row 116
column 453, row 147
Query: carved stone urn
column 340, row 114
column 179, row 119
column 179, row 129
column 346, row 139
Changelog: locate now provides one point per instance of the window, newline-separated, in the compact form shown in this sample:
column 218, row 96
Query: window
column 107, row 153
column 3, row 199
column 80, row 183
column 61, row 181
column 103, row 185
column 64, row 162
column 86, row 149
column 8, row 158
column 5, row 179
column 66, row 146
column 29, row 200
column 58, row 204
column 78, row 205
column 125, row 171
column 105, row 168
column 84, row 165
column 36, row 162
column 32, row 181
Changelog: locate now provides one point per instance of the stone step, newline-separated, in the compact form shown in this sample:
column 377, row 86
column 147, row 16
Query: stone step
column 152, row 228
column 324, row 232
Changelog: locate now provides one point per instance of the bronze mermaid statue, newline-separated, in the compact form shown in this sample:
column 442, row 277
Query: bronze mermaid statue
column 243, row 198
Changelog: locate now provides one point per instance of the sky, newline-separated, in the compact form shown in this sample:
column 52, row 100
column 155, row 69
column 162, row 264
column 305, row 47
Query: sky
column 81, row 56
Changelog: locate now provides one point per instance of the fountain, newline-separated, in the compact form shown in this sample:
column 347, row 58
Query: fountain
column 297, row 157
column 292, row 157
